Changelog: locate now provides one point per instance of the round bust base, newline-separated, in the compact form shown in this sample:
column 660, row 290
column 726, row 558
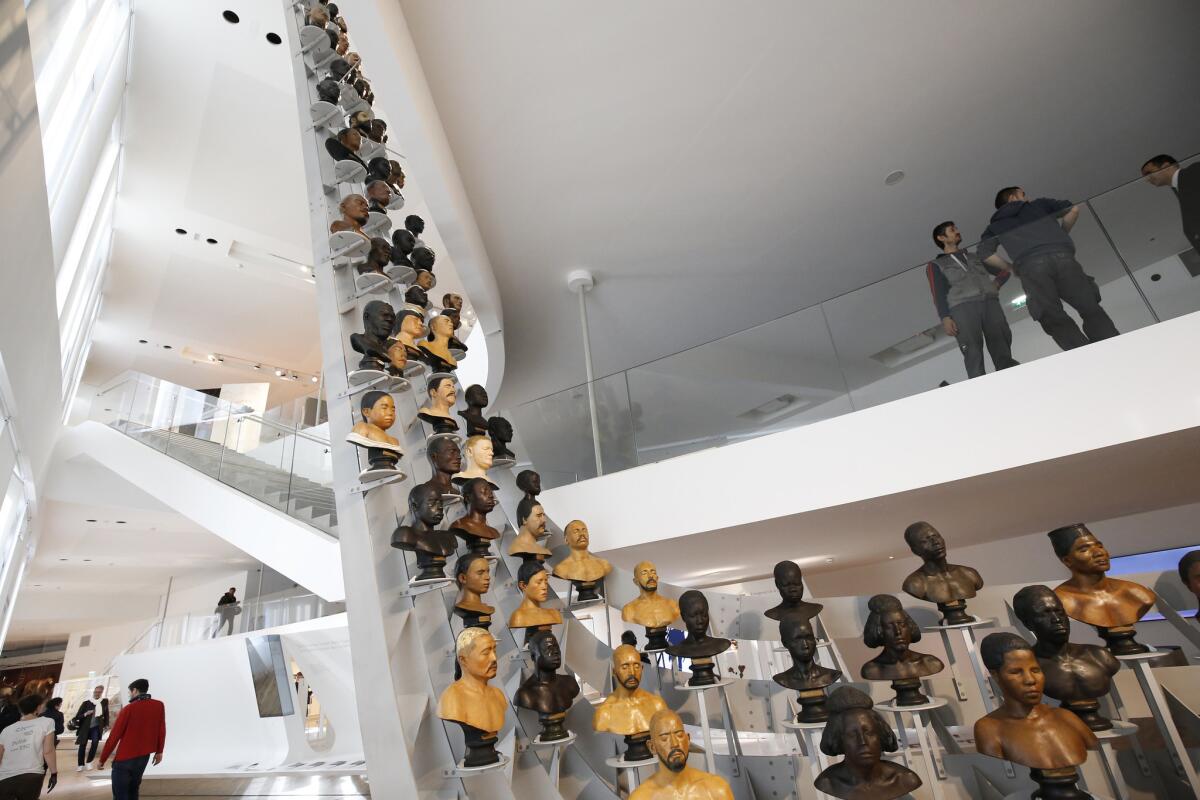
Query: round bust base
column 481, row 747
column 1120, row 641
column 1058, row 784
column 955, row 613
column 977, row 622
column 432, row 569
column 476, row 545
column 929, row 704
column 619, row 762
column 1119, row 730
column 690, row 687
column 454, row 437
column 587, row 603
column 538, row 741
column 803, row 726
column 462, row 770
column 587, row 591
column 503, row 462
column 656, row 639
column 1147, row 655
column 473, row 619
column 703, row 672
column 637, row 748
column 1089, row 712
column 908, row 692
column 371, row 474
column 553, row 726
column 812, row 706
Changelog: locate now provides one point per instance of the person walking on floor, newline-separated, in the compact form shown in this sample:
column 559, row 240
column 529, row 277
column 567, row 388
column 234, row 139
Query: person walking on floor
column 227, row 609
column 9, row 713
column 1164, row 170
column 967, row 297
column 90, row 720
column 1035, row 234
column 139, row 733
column 27, row 753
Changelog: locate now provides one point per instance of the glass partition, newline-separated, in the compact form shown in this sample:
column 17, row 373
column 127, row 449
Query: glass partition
column 873, row 345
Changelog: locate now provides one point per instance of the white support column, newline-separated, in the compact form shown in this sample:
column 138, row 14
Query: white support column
column 580, row 282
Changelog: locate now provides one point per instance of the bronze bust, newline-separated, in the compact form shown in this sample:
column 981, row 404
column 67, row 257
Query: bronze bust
column 1089, row 595
column 698, row 646
column 948, row 585
column 1052, row 742
column 446, row 459
column 529, row 482
column 856, row 731
column 1189, row 574
column 473, row 576
column 477, row 398
column 422, row 537
column 789, row 581
column 545, row 691
column 805, row 676
column 1076, row 675
column 889, row 626
column 472, row 527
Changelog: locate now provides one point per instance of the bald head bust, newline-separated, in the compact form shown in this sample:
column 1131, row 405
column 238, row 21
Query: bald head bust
column 675, row 778
column 629, row 709
column 650, row 608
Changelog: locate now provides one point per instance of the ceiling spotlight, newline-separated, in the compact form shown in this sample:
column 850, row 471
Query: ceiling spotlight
column 890, row 558
column 211, row 240
column 829, row 561
column 314, row 379
column 231, row 17
column 295, row 377
column 143, row 341
column 122, row 522
column 278, row 373
column 181, row 231
column 166, row 347
column 256, row 366
column 211, row 357
column 89, row 520
column 894, row 177
column 273, row 38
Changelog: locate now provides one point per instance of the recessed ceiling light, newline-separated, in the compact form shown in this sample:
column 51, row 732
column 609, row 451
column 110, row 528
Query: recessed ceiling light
column 89, row 520
column 231, row 17
column 122, row 522
column 181, row 231
column 894, row 177
column 87, row 559
column 829, row 561
column 890, row 558
column 62, row 559
column 143, row 341
column 273, row 38
column 211, row 240
column 314, row 379
column 166, row 347
column 279, row 373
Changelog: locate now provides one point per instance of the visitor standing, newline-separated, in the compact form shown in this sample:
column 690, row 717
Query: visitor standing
column 90, row 720
column 1163, row 170
column 25, row 746
column 227, row 609
column 1035, row 234
column 54, row 713
column 9, row 713
column 139, row 733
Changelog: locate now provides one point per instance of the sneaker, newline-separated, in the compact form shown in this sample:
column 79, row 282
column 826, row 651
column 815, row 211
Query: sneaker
column 91, row 765
column 79, row 768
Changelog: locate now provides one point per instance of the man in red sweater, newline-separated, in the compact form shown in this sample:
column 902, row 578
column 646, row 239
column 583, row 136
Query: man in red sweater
column 140, row 731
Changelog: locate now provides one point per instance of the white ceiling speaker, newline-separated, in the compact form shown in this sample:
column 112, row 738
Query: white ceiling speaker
column 580, row 280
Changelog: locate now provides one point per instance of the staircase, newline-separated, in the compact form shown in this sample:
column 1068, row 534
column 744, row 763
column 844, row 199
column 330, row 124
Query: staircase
column 298, row 497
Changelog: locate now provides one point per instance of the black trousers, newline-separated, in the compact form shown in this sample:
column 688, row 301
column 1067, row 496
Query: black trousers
column 127, row 777
column 1049, row 280
column 27, row 786
column 982, row 321
column 92, row 736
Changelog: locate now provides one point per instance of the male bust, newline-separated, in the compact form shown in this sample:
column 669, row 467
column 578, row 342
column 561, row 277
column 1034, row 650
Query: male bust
column 546, row 691
column 477, row 398
column 1025, row 730
column 355, row 213
column 1189, row 574
column 529, row 482
column 501, row 431
column 374, row 343
column 479, row 458
column 805, row 673
column 442, row 395
column 1076, row 675
column 1090, row 596
column 470, row 701
column 628, row 710
column 379, row 195
column 480, row 500
column 649, row 609
column 409, row 326
column 531, row 526
column 446, row 459
column 948, row 585
column 421, row 535
column 789, row 581
column 855, row 730
column 675, row 779
column 580, row 565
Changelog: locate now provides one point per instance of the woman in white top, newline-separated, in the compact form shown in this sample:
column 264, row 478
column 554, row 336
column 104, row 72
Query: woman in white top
column 26, row 751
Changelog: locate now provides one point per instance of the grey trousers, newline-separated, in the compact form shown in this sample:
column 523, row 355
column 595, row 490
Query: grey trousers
column 982, row 322
column 1051, row 279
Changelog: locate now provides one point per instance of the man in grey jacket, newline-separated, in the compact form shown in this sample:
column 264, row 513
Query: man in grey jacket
column 967, row 295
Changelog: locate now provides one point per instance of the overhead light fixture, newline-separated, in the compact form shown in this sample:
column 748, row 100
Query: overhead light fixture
column 278, row 373
column 315, row 379
column 894, row 177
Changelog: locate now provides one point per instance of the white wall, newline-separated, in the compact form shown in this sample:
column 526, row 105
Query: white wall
column 200, row 597
column 105, row 643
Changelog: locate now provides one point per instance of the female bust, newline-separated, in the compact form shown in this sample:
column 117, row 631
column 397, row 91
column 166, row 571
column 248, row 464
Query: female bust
column 473, row 577
column 534, row 583
column 856, row 731
column 437, row 345
column 472, row 526
column 383, row 450
column 410, row 326
column 889, row 626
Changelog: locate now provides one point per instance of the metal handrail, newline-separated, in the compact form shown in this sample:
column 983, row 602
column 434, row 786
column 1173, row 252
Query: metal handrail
column 280, row 427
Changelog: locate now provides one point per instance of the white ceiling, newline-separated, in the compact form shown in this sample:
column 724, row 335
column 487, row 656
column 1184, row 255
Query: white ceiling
column 91, row 574
column 212, row 146
column 716, row 168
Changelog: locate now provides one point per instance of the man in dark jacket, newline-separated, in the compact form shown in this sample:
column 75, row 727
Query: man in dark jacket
column 91, row 719
column 967, row 296
column 1163, row 170
column 9, row 713
column 1034, row 233
column 227, row 609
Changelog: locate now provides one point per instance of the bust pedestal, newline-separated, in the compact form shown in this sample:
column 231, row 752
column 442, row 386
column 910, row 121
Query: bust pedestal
column 1120, row 640
column 812, row 706
column 636, row 747
column 908, row 692
column 380, row 463
column 955, row 613
column 473, row 619
column 587, row 591
column 703, row 672
column 432, row 568
column 1089, row 712
column 481, row 746
column 553, row 727
column 656, row 639
column 1058, row 784
column 475, row 544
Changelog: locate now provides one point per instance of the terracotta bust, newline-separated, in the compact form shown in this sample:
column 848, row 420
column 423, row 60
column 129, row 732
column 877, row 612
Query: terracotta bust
column 473, row 577
column 477, row 707
column 446, row 460
column 628, row 710
column 421, row 536
column 789, row 581
column 675, row 779
column 855, row 730
column 1076, row 675
column 698, row 646
column 584, row 570
column 534, row 584
column 437, row 345
column 650, row 609
column 1024, row 730
column 477, row 398
column 1090, row 596
column 479, row 459
column 378, row 412
column 531, row 524
column 410, row 326
column 805, row 675
column 889, row 626
column 545, row 691
column 472, row 527
column 443, row 394
column 948, row 585
column 1189, row 573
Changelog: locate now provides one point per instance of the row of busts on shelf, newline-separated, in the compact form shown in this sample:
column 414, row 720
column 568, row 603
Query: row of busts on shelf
column 391, row 339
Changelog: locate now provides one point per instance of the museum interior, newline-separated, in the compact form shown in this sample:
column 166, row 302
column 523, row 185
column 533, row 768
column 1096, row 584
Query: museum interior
column 528, row 401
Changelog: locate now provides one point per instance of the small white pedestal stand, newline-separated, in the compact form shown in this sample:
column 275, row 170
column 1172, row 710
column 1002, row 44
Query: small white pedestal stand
column 809, row 734
column 934, row 769
column 1140, row 663
column 735, row 748
column 630, row 768
column 555, row 754
column 1108, row 757
column 459, row 771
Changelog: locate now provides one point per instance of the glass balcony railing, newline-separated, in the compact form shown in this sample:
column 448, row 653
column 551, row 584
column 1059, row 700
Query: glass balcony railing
column 878, row 343
column 280, row 457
